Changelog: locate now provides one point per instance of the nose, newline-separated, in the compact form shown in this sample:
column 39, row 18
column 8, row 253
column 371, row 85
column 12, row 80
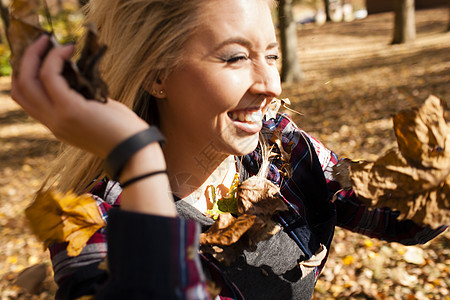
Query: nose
column 266, row 80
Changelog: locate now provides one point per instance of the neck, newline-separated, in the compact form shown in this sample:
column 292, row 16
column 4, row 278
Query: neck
column 194, row 167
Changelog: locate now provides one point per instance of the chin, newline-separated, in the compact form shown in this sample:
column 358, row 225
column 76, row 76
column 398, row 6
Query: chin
column 243, row 146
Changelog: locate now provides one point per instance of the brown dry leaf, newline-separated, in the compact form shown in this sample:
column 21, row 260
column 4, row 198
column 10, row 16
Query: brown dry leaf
column 54, row 217
column 415, row 178
column 423, row 135
column 277, row 139
column 227, row 229
column 26, row 10
column 83, row 76
column 316, row 260
column 32, row 278
column 259, row 196
column 24, row 28
column 272, row 109
column 261, row 229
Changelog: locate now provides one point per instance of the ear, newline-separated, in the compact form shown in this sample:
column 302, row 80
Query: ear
column 155, row 88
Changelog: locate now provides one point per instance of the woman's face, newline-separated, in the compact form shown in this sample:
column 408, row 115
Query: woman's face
column 228, row 76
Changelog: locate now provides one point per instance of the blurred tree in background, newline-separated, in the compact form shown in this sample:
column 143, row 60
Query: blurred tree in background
column 290, row 66
column 404, row 24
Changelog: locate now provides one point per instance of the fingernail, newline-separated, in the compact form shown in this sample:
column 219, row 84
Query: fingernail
column 44, row 33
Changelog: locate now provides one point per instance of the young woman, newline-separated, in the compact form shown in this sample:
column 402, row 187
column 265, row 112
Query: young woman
column 204, row 72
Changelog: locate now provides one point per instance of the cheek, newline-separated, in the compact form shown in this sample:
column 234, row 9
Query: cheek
column 203, row 96
column 224, row 90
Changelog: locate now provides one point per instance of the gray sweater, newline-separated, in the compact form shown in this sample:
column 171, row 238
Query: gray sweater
column 271, row 272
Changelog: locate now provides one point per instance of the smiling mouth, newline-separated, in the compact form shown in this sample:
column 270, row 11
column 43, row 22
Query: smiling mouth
column 246, row 116
column 247, row 120
column 252, row 115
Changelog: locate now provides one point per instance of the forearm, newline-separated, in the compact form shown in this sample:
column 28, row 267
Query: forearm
column 150, row 195
column 381, row 223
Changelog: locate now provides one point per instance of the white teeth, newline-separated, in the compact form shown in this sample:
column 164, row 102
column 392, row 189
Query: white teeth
column 241, row 117
column 257, row 115
column 247, row 117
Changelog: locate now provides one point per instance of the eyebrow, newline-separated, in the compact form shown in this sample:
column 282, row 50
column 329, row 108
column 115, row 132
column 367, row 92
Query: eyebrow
column 244, row 42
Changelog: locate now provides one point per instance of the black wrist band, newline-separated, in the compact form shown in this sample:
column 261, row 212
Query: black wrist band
column 119, row 156
column 133, row 180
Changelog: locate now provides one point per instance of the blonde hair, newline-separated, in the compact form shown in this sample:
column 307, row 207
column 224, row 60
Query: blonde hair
column 145, row 39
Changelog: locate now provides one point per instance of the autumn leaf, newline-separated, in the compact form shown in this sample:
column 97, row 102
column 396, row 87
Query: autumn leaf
column 285, row 154
column 227, row 230
column 225, row 242
column 415, row 178
column 54, row 217
column 82, row 76
column 423, row 135
column 257, row 201
column 26, row 10
column 24, row 28
column 227, row 203
column 32, row 278
column 259, row 196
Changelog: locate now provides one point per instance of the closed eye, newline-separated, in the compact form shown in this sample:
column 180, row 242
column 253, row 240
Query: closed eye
column 235, row 59
column 272, row 57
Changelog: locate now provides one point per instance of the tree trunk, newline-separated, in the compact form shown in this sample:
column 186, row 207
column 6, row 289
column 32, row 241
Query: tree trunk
column 327, row 9
column 290, row 66
column 334, row 11
column 404, row 24
column 60, row 6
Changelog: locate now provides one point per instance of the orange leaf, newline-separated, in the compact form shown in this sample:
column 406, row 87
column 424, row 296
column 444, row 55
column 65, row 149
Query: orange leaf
column 54, row 217
column 227, row 229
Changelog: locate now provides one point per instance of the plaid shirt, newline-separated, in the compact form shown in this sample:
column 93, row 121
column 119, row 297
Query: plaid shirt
column 310, row 221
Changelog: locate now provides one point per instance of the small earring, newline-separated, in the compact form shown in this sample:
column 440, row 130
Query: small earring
column 153, row 92
column 161, row 92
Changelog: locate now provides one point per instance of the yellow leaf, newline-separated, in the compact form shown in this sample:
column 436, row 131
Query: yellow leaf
column 55, row 217
column 368, row 243
column 12, row 259
column 348, row 260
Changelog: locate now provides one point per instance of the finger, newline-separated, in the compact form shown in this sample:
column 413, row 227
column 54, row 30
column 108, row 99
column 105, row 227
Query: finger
column 28, row 90
column 55, row 84
column 31, row 59
column 16, row 94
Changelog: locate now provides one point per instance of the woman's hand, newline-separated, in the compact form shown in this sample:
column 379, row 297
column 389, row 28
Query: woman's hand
column 45, row 95
column 90, row 125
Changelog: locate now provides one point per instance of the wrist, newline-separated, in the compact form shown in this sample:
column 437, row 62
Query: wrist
column 152, row 194
column 122, row 153
column 148, row 159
